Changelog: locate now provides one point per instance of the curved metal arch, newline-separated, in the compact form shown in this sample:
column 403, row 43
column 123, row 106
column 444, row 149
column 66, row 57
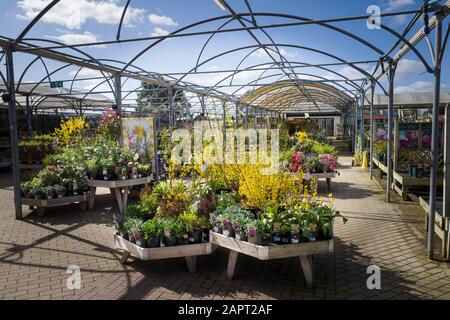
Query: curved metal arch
column 36, row 20
column 352, row 83
column 292, row 46
column 362, row 41
column 28, row 67
column 75, row 49
column 48, row 76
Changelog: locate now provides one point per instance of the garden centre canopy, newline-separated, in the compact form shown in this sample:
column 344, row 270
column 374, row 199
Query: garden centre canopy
column 220, row 76
column 408, row 100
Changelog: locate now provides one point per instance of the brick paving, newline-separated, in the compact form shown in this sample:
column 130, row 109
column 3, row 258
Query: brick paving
column 36, row 252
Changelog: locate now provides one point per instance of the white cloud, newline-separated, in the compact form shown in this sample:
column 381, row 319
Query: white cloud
column 159, row 32
column 407, row 68
column 87, row 85
column 350, row 73
column 73, row 14
column 76, row 38
column 162, row 20
column 262, row 54
column 394, row 5
column 418, row 86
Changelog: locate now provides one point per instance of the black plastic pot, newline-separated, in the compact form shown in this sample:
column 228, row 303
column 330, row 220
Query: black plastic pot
column 286, row 238
column 154, row 243
column 123, row 234
column 195, row 236
column 183, row 242
column 170, row 242
column 141, row 243
column 206, row 235
column 295, row 238
column 229, row 233
column 217, row 229
column 276, row 237
column 239, row 235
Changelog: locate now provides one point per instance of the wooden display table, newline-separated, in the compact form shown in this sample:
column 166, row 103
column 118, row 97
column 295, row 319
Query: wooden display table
column 403, row 182
column 304, row 251
column 327, row 176
column 43, row 204
column 119, row 189
column 189, row 252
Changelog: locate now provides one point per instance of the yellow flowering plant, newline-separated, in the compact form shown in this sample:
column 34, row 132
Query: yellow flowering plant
column 70, row 131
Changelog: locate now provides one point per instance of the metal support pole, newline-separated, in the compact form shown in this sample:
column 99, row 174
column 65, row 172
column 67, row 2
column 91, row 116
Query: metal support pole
column 170, row 109
column 236, row 116
column 13, row 131
column 203, row 106
column 29, row 116
column 355, row 130
column 361, row 125
column 118, row 89
column 246, row 117
column 435, row 137
column 255, row 118
column 391, row 76
column 372, row 93
column 446, row 188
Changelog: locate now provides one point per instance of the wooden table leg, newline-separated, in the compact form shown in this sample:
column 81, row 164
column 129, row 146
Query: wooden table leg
column 306, row 263
column 124, row 257
column 92, row 197
column 125, row 198
column 113, row 193
column 232, row 259
column 329, row 183
column 118, row 192
column 191, row 263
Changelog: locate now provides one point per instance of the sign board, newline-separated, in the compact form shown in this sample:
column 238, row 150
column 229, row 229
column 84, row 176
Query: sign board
column 56, row 84
column 139, row 136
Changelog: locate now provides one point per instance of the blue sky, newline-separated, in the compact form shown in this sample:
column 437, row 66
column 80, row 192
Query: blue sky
column 90, row 20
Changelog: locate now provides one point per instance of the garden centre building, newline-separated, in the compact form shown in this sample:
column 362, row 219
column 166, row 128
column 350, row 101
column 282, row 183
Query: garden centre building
column 180, row 109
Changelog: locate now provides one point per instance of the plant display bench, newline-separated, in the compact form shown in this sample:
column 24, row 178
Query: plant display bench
column 327, row 176
column 119, row 189
column 42, row 205
column 189, row 252
column 305, row 252
column 381, row 166
column 403, row 182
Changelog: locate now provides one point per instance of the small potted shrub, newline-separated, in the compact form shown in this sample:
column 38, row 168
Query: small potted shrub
column 119, row 221
column 193, row 227
column 153, row 232
column 285, row 234
column 60, row 191
column 49, row 192
column 276, row 233
column 227, row 227
column 295, row 233
column 240, row 229
column 205, row 226
column 26, row 189
column 170, row 233
column 216, row 222
column 134, row 228
column 255, row 232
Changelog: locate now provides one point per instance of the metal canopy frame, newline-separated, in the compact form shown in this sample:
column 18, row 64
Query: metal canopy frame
column 280, row 88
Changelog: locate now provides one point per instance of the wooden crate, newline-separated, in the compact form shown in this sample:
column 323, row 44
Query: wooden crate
column 189, row 252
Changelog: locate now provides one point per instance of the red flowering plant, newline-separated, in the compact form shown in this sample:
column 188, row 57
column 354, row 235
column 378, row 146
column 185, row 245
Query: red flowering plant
column 296, row 161
column 109, row 125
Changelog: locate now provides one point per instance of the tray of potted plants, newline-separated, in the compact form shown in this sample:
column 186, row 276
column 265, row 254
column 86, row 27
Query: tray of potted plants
column 277, row 233
column 55, row 186
column 170, row 221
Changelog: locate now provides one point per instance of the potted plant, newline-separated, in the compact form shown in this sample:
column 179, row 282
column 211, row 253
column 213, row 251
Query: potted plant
column 206, row 227
column 133, row 227
column 240, row 228
column 153, row 232
column 91, row 169
column 285, row 234
column 119, row 221
column 216, row 222
column 227, row 227
column 107, row 169
column 170, row 233
column 193, row 227
column 295, row 233
column 49, row 192
column 144, row 170
column 255, row 232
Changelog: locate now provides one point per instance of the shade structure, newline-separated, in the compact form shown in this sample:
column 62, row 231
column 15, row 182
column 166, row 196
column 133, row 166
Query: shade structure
column 408, row 100
column 290, row 97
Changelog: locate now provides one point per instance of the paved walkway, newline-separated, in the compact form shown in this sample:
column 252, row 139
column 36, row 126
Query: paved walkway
column 36, row 252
